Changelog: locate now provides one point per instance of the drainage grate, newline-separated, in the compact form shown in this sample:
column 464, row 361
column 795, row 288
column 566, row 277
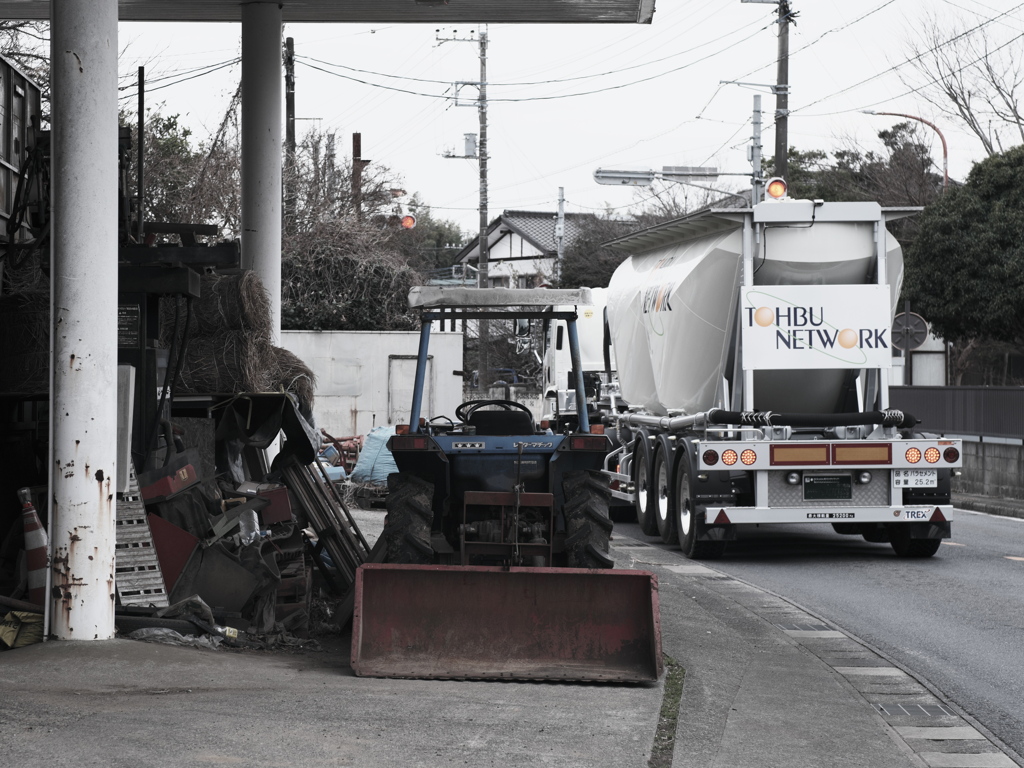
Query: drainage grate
column 914, row 710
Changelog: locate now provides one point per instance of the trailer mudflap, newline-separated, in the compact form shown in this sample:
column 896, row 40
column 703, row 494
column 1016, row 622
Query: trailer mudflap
column 482, row 622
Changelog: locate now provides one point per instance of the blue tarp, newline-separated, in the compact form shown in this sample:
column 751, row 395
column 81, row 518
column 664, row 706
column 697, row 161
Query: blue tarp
column 375, row 460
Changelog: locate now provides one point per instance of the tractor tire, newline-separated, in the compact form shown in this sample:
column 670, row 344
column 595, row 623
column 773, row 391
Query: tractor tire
column 904, row 546
column 661, row 475
column 690, row 522
column 587, row 526
column 410, row 514
column 646, row 499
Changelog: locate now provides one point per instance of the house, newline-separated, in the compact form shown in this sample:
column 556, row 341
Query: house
column 521, row 248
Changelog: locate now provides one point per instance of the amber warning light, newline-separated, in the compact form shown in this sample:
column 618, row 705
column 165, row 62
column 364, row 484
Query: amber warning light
column 776, row 188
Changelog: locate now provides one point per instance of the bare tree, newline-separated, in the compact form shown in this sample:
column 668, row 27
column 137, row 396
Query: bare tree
column 971, row 76
column 27, row 44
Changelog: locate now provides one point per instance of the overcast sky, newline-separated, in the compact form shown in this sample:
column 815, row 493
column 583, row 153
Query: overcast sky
column 564, row 100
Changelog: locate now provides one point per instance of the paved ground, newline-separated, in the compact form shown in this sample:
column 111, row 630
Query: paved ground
column 766, row 685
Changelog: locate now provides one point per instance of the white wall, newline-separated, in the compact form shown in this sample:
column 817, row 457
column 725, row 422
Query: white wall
column 364, row 378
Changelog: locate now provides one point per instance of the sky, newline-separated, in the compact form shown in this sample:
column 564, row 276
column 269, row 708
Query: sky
column 566, row 100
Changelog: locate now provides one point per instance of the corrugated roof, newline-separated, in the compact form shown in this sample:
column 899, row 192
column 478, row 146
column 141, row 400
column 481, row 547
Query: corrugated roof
column 393, row 11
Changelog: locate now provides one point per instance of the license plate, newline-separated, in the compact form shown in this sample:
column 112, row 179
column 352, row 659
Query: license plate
column 914, row 478
column 828, row 488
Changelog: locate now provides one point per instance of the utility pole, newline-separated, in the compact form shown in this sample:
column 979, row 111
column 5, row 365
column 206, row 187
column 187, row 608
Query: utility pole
column 782, row 92
column 357, row 174
column 756, row 179
column 481, row 104
column 560, row 230
column 289, row 135
column 787, row 16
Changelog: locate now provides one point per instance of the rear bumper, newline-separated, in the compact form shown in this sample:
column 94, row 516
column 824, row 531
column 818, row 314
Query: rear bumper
column 917, row 513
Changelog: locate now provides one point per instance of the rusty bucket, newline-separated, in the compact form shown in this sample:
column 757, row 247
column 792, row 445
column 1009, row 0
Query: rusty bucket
column 478, row 622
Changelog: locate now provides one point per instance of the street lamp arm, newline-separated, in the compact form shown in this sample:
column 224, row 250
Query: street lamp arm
column 934, row 127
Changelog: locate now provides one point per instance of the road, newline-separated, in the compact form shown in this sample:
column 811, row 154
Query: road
column 956, row 620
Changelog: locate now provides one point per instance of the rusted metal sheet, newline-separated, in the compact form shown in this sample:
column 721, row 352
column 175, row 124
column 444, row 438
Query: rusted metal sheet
column 482, row 622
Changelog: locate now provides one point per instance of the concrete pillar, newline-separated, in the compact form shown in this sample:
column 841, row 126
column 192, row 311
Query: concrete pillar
column 84, row 319
column 262, row 90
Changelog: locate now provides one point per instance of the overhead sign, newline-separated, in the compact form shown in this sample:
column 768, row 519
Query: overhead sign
column 816, row 326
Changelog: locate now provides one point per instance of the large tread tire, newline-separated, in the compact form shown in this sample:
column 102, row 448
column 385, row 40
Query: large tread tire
column 643, row 484
column 587, row 525
column 690, row 521
column 410, row 514
column 904, row 546
column 664, row 508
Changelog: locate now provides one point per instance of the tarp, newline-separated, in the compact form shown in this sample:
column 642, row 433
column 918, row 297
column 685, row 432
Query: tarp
column 375, row 460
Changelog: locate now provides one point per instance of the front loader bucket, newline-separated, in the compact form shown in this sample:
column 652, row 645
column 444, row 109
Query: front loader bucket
column 439, row 621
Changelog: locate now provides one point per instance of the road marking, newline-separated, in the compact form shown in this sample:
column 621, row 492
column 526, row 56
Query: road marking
column 1018, row 559
column 880, row 671
column 953, row 544
column 812, row 633
column 937, row 732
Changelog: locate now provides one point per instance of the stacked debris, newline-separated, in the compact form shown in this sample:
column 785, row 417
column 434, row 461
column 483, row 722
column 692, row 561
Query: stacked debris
column 246, row 547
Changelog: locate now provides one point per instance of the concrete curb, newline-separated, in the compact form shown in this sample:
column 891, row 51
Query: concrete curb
column 989, row 505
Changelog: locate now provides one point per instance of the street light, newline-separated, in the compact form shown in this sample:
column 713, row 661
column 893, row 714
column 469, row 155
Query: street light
column 676, row 174
column 945, row 155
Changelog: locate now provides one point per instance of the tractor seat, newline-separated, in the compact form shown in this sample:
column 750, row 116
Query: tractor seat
column 501, row 422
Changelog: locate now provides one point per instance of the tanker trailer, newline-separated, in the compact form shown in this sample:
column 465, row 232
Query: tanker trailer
column 752, row 346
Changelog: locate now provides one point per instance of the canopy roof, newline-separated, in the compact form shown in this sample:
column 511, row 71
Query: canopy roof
column 372, row 11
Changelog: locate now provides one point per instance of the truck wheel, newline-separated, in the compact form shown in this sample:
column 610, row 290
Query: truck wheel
column 587, row 527
column 904, row 546
column 410, row 514
column 690, row 522
column 645, row 499
column 664, row 508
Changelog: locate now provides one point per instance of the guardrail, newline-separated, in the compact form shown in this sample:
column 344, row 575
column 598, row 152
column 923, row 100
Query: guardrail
column 979, row 411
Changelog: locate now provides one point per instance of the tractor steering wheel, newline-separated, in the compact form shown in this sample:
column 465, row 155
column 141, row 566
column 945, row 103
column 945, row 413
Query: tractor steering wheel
column 468, row 408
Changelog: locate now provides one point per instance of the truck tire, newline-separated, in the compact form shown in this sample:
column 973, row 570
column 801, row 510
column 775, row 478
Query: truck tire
column 904, row 546
column 645, row 501
column 690, row 522
column 587, row 526
column 664, row 507
column 410, row 514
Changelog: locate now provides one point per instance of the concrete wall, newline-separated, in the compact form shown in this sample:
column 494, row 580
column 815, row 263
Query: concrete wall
column 364, row 378
column 992, row 468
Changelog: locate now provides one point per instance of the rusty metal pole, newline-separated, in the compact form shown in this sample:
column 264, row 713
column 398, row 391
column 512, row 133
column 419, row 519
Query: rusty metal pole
column 83, row 405
column 262, row 87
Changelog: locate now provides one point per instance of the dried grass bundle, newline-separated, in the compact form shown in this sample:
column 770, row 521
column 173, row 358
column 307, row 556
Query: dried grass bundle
column 293, row 375
column 228, row 363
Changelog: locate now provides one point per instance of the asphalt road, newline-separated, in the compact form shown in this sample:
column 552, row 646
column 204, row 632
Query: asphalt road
column 956, row 620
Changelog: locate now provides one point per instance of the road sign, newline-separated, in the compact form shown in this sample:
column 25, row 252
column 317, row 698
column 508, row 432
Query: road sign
column 910, row 335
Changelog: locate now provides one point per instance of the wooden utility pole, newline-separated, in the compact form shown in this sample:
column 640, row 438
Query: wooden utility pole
column 357, row 174
column 786, row 16
column 289, row 135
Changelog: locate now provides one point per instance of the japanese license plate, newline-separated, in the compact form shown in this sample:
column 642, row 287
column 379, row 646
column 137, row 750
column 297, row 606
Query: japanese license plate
column 914, row 478
column 828, row 488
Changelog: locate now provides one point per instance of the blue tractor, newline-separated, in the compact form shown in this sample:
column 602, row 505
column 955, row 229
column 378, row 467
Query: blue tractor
column 497, row 534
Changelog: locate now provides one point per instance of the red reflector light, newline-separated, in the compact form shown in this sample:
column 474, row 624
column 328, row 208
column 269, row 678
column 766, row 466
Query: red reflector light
column 952, row 455
column 597, row 429
column 722, row 519
column 931, row 455
column 402, row 429
column 710, row 457
column 729, row 457
column 409, row 443
column 913, row 455
column 937, row 516
column 748, row 457
column 588, row 443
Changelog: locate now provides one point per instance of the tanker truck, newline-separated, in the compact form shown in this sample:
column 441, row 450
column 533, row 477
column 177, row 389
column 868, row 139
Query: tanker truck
column 752, row 347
